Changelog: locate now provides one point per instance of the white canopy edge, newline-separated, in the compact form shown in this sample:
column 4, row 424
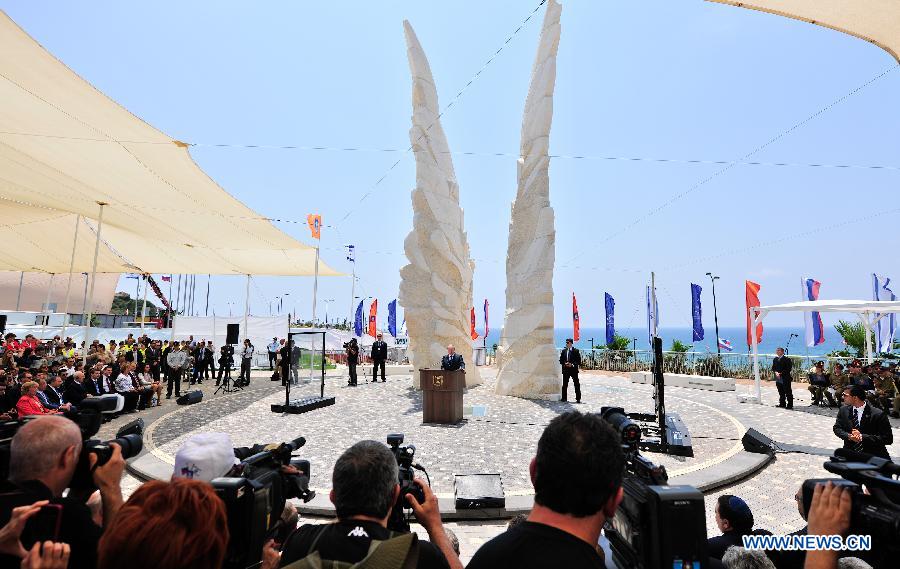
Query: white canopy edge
column 849, row 306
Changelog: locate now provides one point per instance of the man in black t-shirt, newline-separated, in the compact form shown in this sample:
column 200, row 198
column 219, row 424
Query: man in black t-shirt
column 577, row 478
column 364, row 490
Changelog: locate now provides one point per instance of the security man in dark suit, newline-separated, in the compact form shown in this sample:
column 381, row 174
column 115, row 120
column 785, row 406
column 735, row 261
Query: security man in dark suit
column 379, row 356
column 570, row 360
column 452, row 361
column 781, row 367
column 863, row 427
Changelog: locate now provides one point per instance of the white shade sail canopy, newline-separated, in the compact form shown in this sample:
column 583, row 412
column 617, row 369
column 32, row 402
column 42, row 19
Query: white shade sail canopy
column 849, row 306
column 65, row 147
column 876, row 21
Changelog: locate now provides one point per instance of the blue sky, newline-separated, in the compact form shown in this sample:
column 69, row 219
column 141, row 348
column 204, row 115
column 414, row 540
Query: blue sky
column 658, row 79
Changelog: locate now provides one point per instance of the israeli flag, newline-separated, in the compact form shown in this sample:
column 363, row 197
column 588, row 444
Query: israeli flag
column 351, row 253
column 887, row 323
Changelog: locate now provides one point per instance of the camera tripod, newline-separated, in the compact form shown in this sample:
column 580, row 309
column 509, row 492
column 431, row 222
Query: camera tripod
column 228, row 386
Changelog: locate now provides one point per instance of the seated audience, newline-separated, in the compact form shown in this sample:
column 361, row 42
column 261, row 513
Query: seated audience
column 43, row 456
column 30, row 404
column 150, row 386
column 75, row 390
column 863, row 427
column 577, row 478
column 364, row 491
column 54, row 394
column 818, row 385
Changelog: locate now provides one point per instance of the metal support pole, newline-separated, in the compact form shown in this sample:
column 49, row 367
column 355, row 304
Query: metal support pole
column 19, row 296
column 867, row 327
column 247, row 308
column 208, row 278
column 315, row 285
column 144, row 309
column 69, row 285
column 137, row 295
column 45, row 310
column 84, row 299
column 87, row 330
column 353, row 291
column 715, row 313
column 754, row 322
column 176, row 304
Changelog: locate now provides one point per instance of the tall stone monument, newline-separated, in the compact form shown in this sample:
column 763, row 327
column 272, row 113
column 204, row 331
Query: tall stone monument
column 527, row 359
column 436, row 285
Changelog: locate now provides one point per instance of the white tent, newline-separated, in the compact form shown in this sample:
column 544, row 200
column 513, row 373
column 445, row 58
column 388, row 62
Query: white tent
column 869, row 312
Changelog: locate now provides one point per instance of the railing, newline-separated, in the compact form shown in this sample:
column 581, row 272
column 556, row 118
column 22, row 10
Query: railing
column 695, row 363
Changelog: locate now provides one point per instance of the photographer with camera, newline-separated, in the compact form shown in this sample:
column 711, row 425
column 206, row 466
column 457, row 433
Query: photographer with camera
column 577, row 477
column 364, row 491
column 44, row 454
column 351, row 348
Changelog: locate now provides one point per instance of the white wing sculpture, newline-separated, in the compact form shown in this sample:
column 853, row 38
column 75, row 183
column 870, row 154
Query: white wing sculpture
column 527, row 358
column 436, row 285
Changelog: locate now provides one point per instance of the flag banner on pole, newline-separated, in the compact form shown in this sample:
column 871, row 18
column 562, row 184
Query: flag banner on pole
column 610, row 303
column 357, row 322
column 392, row 318
column 166, row 278
column 751, row 295
column 486, row 329
column 725, row 345
column 576, row 332
column 158, row 292
column 373, row 313
column 351, row 253
column 815, row 330
column 472, row 331
column 314, row 220
column 652, row 314
column 403, row 326
column 697, row 312
column 887, row 325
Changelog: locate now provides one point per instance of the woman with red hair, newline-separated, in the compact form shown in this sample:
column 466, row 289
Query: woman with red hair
column 177, row 524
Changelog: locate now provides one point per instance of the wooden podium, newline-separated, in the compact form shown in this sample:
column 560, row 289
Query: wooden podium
column 442, row 395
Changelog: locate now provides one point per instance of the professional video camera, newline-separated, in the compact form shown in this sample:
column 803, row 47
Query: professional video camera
column 129, row 438
column 875, row 513
column 254, row 492
column 404, row 455
column 656, row 526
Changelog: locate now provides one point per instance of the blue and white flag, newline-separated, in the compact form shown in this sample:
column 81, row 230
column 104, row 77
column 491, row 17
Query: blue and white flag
column 358, row 321
column 403, row 327
column 696, row 312
column 652, row 315
column 725, row 345
column 610, row 318
column 351, row 253
column 392, row 317
column 815, row 330
column 885, row 327
column 132, row 276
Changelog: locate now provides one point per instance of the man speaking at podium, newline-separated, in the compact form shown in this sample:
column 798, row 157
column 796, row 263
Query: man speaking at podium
column 452, row 361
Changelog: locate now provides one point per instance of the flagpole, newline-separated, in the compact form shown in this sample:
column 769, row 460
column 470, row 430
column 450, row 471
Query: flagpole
column 69, row 285
column 246, row 308
column 137, row 294
column 46, row 309
column 170, row 302
column 353, row 285
column 177, row 303
column 144, row 309
column 316, row 282
column 87, row 330
column 19, row 296
column 208, row 278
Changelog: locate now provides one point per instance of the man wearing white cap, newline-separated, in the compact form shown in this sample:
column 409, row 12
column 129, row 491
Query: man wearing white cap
column 205, row 456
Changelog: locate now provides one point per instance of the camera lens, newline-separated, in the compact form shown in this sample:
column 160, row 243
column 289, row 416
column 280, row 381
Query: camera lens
column 629, row 431
column 131, row 445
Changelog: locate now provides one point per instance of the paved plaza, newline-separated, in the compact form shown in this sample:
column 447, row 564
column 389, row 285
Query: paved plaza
column 500, row 435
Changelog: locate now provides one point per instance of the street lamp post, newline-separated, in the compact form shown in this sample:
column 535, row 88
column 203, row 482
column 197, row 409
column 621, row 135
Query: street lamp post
column 715, row 312
column 327, row 301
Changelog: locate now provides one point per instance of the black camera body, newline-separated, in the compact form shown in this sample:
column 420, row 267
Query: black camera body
column 255, row 492
column 656, row 525
column 405, row 456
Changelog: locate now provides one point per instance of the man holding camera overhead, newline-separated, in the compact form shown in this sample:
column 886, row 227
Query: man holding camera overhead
column 365, row 489
column 44, row 454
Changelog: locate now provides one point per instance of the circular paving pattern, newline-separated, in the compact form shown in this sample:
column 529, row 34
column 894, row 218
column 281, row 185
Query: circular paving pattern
column 499, row 433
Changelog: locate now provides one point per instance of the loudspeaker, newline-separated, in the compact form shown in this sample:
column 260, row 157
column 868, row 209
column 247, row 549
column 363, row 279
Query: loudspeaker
column 234, row 331
column 190, row 398
column 3, row 323
column 756, row 442
column 474, row 491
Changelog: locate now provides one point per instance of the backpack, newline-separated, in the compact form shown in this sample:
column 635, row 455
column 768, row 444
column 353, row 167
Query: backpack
column 399, row 551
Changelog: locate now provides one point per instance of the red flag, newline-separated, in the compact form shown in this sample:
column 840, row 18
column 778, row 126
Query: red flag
column 575, row 324
column 472, row 331
column 486, row 329
column 752, row 295
column 373, row 312
column 314, row 220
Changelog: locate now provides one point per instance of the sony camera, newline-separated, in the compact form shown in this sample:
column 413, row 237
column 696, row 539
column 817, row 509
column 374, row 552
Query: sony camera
column 405, row 456
column 129, row 438
column 875, row 512
column 255, row 492
column 656, row 526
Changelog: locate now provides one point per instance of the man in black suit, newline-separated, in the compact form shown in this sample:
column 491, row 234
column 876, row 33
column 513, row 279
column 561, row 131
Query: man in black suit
column 862, row 427
column 379, row 356
column 452, row 361
column 781, row 367
column 570, row 360
column 76, row 391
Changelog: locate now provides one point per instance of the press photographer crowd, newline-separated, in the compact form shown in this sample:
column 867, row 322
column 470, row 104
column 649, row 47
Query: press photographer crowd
column 597, row 503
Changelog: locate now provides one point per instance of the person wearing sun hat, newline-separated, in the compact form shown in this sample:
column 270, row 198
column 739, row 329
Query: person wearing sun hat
column 205, row 456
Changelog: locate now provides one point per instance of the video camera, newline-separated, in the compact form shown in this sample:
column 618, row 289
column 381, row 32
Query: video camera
column 875, row 513
column 129, row 438
column 656, row 526
column 255, row 491
column 405, row 456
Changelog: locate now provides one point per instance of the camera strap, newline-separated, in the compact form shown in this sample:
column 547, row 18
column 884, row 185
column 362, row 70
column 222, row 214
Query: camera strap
column 399, row 551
